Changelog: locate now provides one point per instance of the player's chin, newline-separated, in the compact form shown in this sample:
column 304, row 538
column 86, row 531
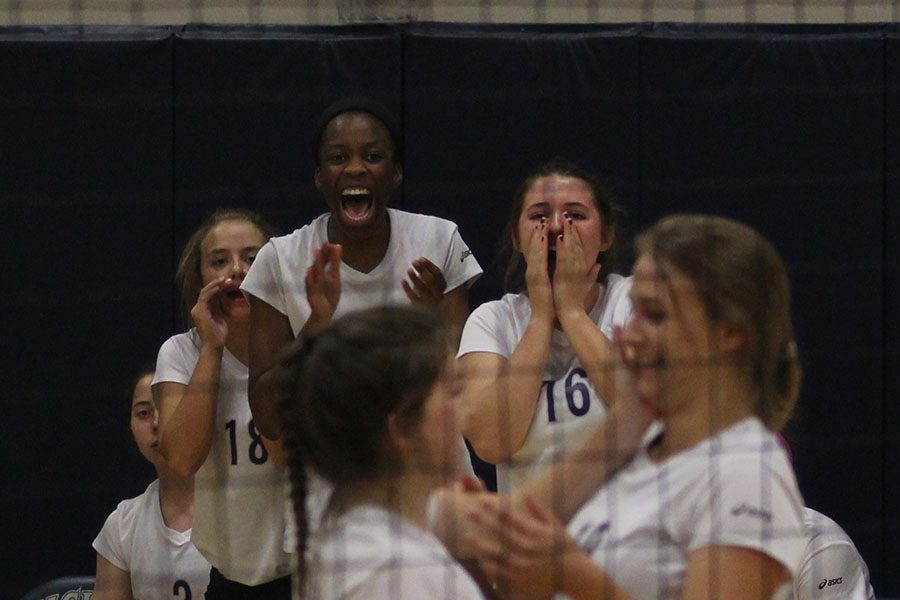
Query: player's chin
column 237, row 311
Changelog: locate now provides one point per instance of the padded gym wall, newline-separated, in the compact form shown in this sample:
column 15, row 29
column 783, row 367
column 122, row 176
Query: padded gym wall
column 891, row 422
column 783, row 128
column 246, row 99
column 86, row 186
column 486, row 105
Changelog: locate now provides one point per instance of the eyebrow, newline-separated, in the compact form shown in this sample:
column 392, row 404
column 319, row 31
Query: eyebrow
column 226, row 250
column 544, row 203
column 342, row 145
column 142, row 403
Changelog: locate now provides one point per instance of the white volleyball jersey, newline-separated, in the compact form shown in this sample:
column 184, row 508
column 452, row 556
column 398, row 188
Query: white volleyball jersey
column 278, row 274
column 832, row 568
column 568, row 406
column 160, row 560
column 734, row 489
column 373, row 554
column 238, row 491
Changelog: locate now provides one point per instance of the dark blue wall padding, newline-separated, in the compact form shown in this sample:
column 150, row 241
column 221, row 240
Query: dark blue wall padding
column 784, row 130
column 484, row 106
column 246, row 99
column 86, row 186
column 891, row 488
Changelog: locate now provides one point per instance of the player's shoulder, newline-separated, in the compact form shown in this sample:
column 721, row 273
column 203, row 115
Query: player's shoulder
column 304, row 235
column 187, row 341
column 429, row 222
column 130, row 509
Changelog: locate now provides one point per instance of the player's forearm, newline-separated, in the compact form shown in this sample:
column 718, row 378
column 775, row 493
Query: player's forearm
column 583, row 579
column 594, row 350
column 502, row 409
column 567, row 485
column 186, row 436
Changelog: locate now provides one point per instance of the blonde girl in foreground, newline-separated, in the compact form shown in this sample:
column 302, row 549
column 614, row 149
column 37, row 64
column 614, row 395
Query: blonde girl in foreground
column 710, row 507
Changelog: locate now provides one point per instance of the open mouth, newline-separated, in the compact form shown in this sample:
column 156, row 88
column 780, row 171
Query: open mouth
column 356, row 204
column 234, row 296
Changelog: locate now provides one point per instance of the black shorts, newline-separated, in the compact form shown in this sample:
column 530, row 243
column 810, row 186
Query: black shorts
column 220, row 588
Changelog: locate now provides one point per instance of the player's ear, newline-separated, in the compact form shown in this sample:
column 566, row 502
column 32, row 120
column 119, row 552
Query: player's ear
column 398, row 435
column 607, row 237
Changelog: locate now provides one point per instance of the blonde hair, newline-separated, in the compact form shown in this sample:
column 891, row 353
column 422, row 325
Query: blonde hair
column 741, row 281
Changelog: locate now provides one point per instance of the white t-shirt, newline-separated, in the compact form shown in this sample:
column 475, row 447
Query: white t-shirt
column 568, row 407
column 832, row 568
column 278, row 274
column 135, row 538
column 370, row 553
column 734, row 489
column 278, row 277
column 238, row 491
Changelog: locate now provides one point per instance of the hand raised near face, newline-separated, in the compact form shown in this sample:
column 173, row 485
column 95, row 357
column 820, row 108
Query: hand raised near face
column 207, row 314
column 323, row 283
column 572, row 279
column 428, row 283
column 537, row 274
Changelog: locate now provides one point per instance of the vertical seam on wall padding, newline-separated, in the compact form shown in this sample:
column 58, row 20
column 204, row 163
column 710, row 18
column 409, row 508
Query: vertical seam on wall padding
column 402, row 115
column 174, row 251
column 639, row 187
column 884, row 291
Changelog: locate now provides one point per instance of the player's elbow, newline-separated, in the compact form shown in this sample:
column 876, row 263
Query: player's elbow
column 487, row 444
column 179, row 462
column 263, row 396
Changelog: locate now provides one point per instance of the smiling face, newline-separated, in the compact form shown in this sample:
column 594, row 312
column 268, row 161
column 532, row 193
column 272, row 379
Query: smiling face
column 357, row 174
column 553, row 199
column 670, row 341
column 144, row 421
column 228, row 250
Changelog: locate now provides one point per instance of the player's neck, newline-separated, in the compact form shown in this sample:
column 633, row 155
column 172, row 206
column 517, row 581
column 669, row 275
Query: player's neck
column 239, row 340
column 401, row 495
column 363, row 249
column 176, row 500
column 714, row 404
